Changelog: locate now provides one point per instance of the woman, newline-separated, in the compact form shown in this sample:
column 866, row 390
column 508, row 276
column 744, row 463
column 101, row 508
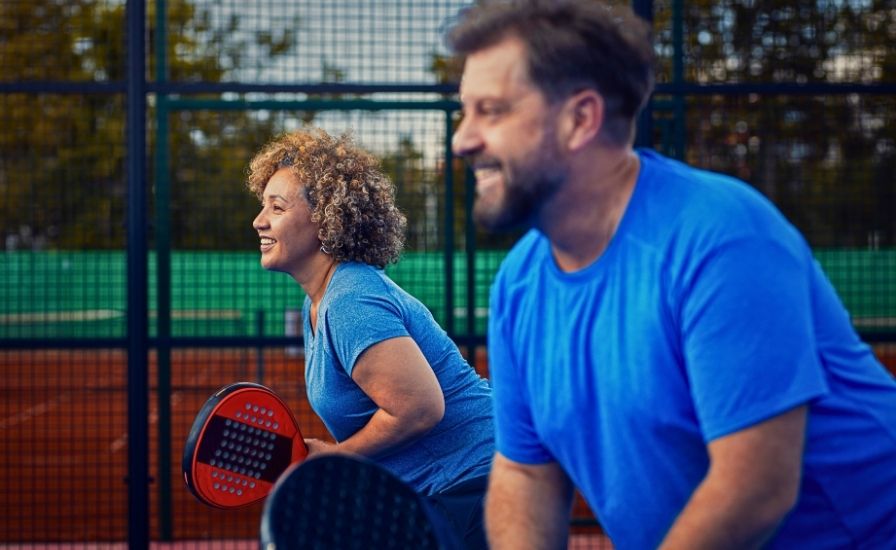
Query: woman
column 387, row 381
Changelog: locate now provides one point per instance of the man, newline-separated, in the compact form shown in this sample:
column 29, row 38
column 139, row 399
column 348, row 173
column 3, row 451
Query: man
column 661, row 338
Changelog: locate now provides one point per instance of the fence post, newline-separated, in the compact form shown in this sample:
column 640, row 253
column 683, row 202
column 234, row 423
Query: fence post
column 137, row 292
column 163, row 282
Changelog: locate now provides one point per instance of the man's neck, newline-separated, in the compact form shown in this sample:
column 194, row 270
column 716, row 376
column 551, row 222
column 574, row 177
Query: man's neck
column 581, row 219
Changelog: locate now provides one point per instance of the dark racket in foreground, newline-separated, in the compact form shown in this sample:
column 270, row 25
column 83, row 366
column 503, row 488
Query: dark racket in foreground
column 243, row 438
column 349, row 503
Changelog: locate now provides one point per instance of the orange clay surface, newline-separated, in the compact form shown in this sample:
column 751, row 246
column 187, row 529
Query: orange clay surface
column 64, row 445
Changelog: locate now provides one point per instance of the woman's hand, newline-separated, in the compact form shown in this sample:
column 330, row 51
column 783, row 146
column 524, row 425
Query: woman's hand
column 318, row 447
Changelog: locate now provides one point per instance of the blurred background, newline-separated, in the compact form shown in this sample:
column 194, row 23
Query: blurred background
column 130, row 287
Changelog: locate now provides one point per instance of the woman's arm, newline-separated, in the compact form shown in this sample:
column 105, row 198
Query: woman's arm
column 397, row 377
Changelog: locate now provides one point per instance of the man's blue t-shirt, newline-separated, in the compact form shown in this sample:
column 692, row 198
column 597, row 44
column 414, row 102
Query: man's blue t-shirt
column 706, row 314
column 362, row 307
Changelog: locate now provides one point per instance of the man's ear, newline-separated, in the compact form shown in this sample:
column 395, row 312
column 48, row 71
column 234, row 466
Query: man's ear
column 583, row 114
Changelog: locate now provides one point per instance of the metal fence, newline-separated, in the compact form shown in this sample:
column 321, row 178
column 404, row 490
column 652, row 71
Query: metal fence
column 128, row 286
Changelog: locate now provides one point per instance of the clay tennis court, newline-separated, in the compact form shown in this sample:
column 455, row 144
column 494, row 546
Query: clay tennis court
column 63, row 465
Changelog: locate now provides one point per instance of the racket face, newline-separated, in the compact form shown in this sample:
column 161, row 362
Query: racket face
column 336, row 501
column 244, row 437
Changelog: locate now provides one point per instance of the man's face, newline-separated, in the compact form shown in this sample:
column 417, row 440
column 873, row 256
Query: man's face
column 288, row 237
column 508, row 137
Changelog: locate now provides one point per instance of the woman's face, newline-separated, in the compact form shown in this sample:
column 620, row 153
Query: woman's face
column 288, row 237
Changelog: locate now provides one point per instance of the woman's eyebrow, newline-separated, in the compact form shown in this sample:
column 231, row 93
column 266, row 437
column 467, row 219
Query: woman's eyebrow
column 275, row 197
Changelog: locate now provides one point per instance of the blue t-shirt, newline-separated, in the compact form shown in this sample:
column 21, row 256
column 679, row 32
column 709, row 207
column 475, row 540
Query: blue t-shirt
column 362, row 307
column 706, row 314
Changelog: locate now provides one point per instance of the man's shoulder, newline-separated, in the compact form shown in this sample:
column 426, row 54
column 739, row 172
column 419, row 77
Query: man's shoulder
column 696, row 201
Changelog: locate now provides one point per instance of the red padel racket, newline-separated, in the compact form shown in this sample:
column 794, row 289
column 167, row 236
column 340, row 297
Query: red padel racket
column 243, row 438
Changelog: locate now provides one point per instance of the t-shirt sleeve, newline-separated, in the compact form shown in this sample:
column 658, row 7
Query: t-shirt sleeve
column 515, row 434
column 354, row 322
column 747, row 334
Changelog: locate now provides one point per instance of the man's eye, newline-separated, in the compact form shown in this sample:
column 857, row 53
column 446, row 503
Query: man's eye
column 491, row 110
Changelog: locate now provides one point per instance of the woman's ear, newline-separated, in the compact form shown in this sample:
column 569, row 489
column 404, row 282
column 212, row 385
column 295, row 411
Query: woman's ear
column 584, row 116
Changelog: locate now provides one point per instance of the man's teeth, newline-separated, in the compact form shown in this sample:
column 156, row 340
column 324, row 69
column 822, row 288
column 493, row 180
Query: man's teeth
column 485, row 172
column 267, row 240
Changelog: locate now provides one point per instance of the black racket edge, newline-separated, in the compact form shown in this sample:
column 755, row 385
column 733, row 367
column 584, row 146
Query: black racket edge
column 202, row 418
column 270, row 532
column 290, row 479
column 267, row 535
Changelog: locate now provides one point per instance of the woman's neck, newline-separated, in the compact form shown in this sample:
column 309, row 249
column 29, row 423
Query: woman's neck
column 317, row 287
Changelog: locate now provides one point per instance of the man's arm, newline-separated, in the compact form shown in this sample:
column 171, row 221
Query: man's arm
column 753, row 481
column 527, row 506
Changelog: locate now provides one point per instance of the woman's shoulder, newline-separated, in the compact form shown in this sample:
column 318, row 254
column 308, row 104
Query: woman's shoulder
column 358, row 276
column 355, row 281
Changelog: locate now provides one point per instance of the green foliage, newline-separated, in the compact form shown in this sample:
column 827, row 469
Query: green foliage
column 420, row 193
column 61, row 180
column 826, row 161
column 62, row 177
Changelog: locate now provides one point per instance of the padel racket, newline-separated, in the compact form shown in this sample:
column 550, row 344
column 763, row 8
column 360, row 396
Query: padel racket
column 350, row 503
column 243, row 438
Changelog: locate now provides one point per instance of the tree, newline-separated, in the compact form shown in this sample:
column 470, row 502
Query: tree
column 825, row 160
column 822, row 159
column 62, row 169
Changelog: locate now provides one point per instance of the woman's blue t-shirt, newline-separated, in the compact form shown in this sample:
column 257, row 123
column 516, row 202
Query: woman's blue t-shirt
column 362, row 307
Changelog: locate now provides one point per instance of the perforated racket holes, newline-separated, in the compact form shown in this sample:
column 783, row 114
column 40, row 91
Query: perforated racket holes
column 255, row 414
column 244, row 450
column 230, row 484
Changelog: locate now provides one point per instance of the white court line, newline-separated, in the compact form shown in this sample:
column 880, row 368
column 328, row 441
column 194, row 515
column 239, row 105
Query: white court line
column 59, row 316
column 43, row 408
column 36, row 410
column 121, row 441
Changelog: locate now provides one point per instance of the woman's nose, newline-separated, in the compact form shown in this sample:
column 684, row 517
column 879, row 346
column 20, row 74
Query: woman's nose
column 260, row 222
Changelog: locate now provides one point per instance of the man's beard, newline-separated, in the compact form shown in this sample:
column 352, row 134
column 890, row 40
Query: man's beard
column 527, row 187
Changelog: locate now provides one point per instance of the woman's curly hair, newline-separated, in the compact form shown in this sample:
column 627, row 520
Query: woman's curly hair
column 351, row 199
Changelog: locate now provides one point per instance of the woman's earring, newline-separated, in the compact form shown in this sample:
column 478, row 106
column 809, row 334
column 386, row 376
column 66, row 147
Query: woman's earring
column 324, row 249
